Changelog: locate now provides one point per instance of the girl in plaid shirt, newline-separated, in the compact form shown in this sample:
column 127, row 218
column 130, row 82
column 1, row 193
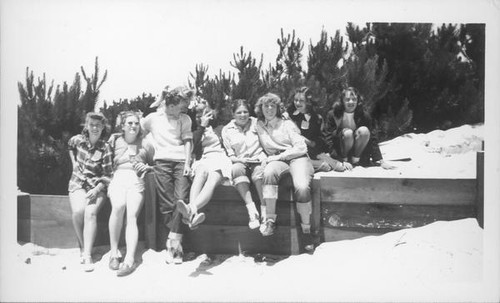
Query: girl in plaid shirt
column 92, row 161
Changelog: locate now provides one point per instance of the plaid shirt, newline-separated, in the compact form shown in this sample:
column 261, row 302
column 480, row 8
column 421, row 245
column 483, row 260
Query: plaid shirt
column 93, row 164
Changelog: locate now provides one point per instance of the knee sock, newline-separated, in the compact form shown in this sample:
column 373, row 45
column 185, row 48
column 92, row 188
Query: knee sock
column 304, row 210
column 252, row 210
column 263, row 210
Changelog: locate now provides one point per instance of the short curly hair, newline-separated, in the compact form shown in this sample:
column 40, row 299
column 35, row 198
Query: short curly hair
column 266, row 99
column 96, row 116
column 177, row 95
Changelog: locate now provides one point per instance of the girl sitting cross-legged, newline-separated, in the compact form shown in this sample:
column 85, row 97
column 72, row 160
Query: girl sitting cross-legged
column 210, row 168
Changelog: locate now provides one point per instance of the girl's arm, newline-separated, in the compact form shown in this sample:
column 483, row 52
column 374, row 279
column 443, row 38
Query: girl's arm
column 299, row 147
column 188, row 147
column 107, row 167
column 329, row 131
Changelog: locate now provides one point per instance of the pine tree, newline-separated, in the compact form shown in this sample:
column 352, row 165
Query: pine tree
column 250, row 86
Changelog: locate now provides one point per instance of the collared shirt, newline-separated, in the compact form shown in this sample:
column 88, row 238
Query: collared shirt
column 281, row 137
column 94, row 163
column 168, row 135
column 242, row 142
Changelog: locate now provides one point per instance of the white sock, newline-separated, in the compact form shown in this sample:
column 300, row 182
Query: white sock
column 305, row 210
column 252, row 210
column 306, row 228
column 263, row 210
column 272, row 217
column 355, row 160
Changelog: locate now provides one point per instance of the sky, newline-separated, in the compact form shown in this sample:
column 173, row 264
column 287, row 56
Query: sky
column 149, row 44
column 145, row 45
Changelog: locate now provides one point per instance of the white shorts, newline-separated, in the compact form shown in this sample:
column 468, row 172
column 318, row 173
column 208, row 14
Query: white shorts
column 215, row 162
column 123, row 181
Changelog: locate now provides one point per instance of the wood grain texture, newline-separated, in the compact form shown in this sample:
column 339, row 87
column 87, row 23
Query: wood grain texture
column 390, row 216
column 398, row 191
column 480, row 188
column 226, row 239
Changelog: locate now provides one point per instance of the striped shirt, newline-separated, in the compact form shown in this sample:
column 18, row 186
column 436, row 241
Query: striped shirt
column 94, row 164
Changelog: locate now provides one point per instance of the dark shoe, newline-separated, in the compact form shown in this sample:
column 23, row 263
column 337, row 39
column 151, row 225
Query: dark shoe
column 125, row 270
column 114, row 263
column 269, row 227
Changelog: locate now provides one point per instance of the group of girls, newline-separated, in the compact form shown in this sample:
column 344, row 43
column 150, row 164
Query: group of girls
column 259, row 145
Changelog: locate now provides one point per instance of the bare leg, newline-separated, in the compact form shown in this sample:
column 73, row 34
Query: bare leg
column 362, row 136
column 77, row 202
column 135, row 200
column 347, row 142
column 118, row 203
column 90, row 223
column 213, row 179
column 198, row 182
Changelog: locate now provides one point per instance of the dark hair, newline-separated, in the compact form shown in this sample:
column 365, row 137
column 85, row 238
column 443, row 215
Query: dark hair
column 239, row 102
column 96, row 116
column 268, row 98
column 308, row 95
column 338, row 106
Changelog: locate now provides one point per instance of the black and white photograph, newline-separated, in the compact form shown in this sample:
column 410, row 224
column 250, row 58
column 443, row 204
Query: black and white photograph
column 249, row 151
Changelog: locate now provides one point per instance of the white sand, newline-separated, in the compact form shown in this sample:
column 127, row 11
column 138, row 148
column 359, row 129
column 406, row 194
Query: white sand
column 426, row 263
column 442, row 261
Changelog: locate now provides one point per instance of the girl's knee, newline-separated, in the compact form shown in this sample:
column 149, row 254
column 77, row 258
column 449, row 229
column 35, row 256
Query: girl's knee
column 118, row 209
column 363, row 131
column 78, row 214
column 347, row 133
column 91, row 213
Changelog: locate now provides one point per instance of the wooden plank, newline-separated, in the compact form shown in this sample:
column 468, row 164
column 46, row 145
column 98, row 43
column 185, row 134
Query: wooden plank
column 480, row 188
column 338, row 234
column 150, row 212
column 316, row 206
column 223, row 239
column 48, row 222
column 390, row 216
column 398, row 191
column 225, row 212
column 225, row 208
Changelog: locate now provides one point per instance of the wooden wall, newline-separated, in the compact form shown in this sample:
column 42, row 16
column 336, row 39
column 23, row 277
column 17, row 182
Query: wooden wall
column 343, row 208
column 354, row 207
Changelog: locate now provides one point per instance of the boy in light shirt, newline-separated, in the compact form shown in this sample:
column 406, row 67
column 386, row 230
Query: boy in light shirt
column 171, row 137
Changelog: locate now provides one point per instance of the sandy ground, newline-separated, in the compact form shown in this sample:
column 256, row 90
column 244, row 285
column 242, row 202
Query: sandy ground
column 443, row 261
column 440, row 261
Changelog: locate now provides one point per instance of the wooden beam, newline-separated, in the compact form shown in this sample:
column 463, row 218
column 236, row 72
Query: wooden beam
column 480, row 188
column 398, row 191
column 225, row 239
column 390, row 216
